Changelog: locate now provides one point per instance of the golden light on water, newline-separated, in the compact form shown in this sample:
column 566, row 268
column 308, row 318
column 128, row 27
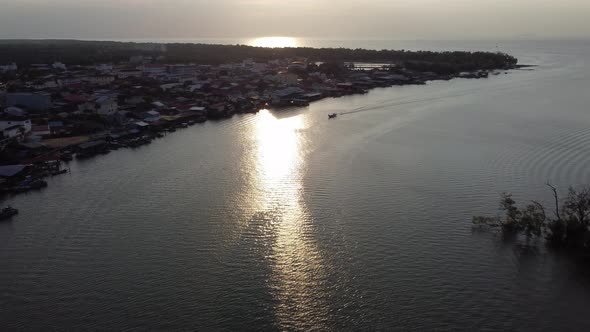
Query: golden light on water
column 295, row 259
column 278, row 148
column 274, row 42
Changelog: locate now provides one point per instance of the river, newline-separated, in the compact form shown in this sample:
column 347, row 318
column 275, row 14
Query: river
column 285, row 220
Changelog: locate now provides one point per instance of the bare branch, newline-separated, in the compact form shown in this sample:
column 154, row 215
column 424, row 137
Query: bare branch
column 556, row 197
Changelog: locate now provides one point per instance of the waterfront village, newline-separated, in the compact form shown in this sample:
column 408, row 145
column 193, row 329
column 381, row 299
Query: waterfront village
column 51, row 113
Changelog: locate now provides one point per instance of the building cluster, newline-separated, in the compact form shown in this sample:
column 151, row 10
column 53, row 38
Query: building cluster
column 47, row 101
column 50, row 112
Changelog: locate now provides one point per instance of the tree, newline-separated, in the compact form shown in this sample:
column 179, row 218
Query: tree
column 576, row 211
column 569, row 228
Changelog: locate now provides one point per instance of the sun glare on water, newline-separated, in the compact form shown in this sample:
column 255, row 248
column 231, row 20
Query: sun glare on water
column 274, row 42
column 297, row 268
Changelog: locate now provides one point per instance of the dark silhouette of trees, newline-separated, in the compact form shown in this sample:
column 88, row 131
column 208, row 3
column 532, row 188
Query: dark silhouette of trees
column 25, row 52
column 332, row 68
column 568, row 228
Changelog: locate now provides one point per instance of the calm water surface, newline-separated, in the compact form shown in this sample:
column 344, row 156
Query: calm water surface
column 284, row 220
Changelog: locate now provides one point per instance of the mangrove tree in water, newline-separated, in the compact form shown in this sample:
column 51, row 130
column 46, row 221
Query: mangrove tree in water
column 566, row 226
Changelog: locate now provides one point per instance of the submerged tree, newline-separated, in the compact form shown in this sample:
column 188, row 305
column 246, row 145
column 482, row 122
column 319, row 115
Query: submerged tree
column 528, row 221
column 570, row 226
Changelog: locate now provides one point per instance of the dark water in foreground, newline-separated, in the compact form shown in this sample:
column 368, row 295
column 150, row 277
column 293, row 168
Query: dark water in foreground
column 285, row 220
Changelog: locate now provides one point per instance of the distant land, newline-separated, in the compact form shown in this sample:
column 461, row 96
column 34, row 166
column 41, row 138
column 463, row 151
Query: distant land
column 26, row 52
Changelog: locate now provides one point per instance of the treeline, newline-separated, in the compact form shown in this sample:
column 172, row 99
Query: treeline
column 25, row 52
column 567, row 225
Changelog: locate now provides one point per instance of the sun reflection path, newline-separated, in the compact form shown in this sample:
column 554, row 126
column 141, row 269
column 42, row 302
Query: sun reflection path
column 274, row 42
column 279, row 155
column 297, row 268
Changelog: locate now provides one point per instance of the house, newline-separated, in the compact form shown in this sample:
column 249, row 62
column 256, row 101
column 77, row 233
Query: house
column 19, row 122
column 69, row 81
column 75, row 99
column 91, row 147
column 219, row 110
column 169, row 86
column 297, row 65
column 59, row 65
column 312, row 96
column 254, row 66
column 347, row 86
column 287, row 92
column 121, row 117
column 15, row 131
column 181, row 70
column 46, row 84
column 10, row 171
column 106, row 105
column 15, row 112
column 151, row 116
column 103, row 105
column 57, row 128
column 89, row 107
column 286, row 78
column 104, row 67
column 37, row 101
column 199, row 110
column 134, row 100
column 15, row 128
column 141, row 125
column 153, row 69
column 126, row 73
column 40, row 130
column 8, row 68
column 194, row 87
column 386, row 77
column 99, row 79
column 159, row 105
column 40, row 66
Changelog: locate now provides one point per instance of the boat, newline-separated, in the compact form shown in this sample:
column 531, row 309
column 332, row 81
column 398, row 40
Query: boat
column 66, row 156
column 62, row 171
column 32, row 185
column 299, row 102
column 332, row 116
column 85, row 154
column 8, row 212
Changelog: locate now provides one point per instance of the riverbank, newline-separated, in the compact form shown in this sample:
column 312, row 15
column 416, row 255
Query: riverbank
column 50, row 156
column 55, row 112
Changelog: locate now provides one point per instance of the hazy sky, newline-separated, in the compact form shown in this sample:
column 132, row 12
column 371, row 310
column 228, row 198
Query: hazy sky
column 371, row 19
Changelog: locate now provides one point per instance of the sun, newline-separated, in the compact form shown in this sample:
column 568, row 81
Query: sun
column 274, row 42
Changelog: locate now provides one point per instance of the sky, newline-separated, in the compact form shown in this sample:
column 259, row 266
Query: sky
column 350, row 19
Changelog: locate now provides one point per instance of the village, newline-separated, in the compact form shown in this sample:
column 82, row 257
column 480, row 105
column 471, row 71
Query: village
column 52, row 113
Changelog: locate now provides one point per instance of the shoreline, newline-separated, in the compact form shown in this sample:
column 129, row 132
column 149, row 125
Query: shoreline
column 57, row 112
column 107, row 142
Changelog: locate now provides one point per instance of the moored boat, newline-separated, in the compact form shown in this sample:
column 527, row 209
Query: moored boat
column 61, row 171
column 66, row 156
column 8, row 212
